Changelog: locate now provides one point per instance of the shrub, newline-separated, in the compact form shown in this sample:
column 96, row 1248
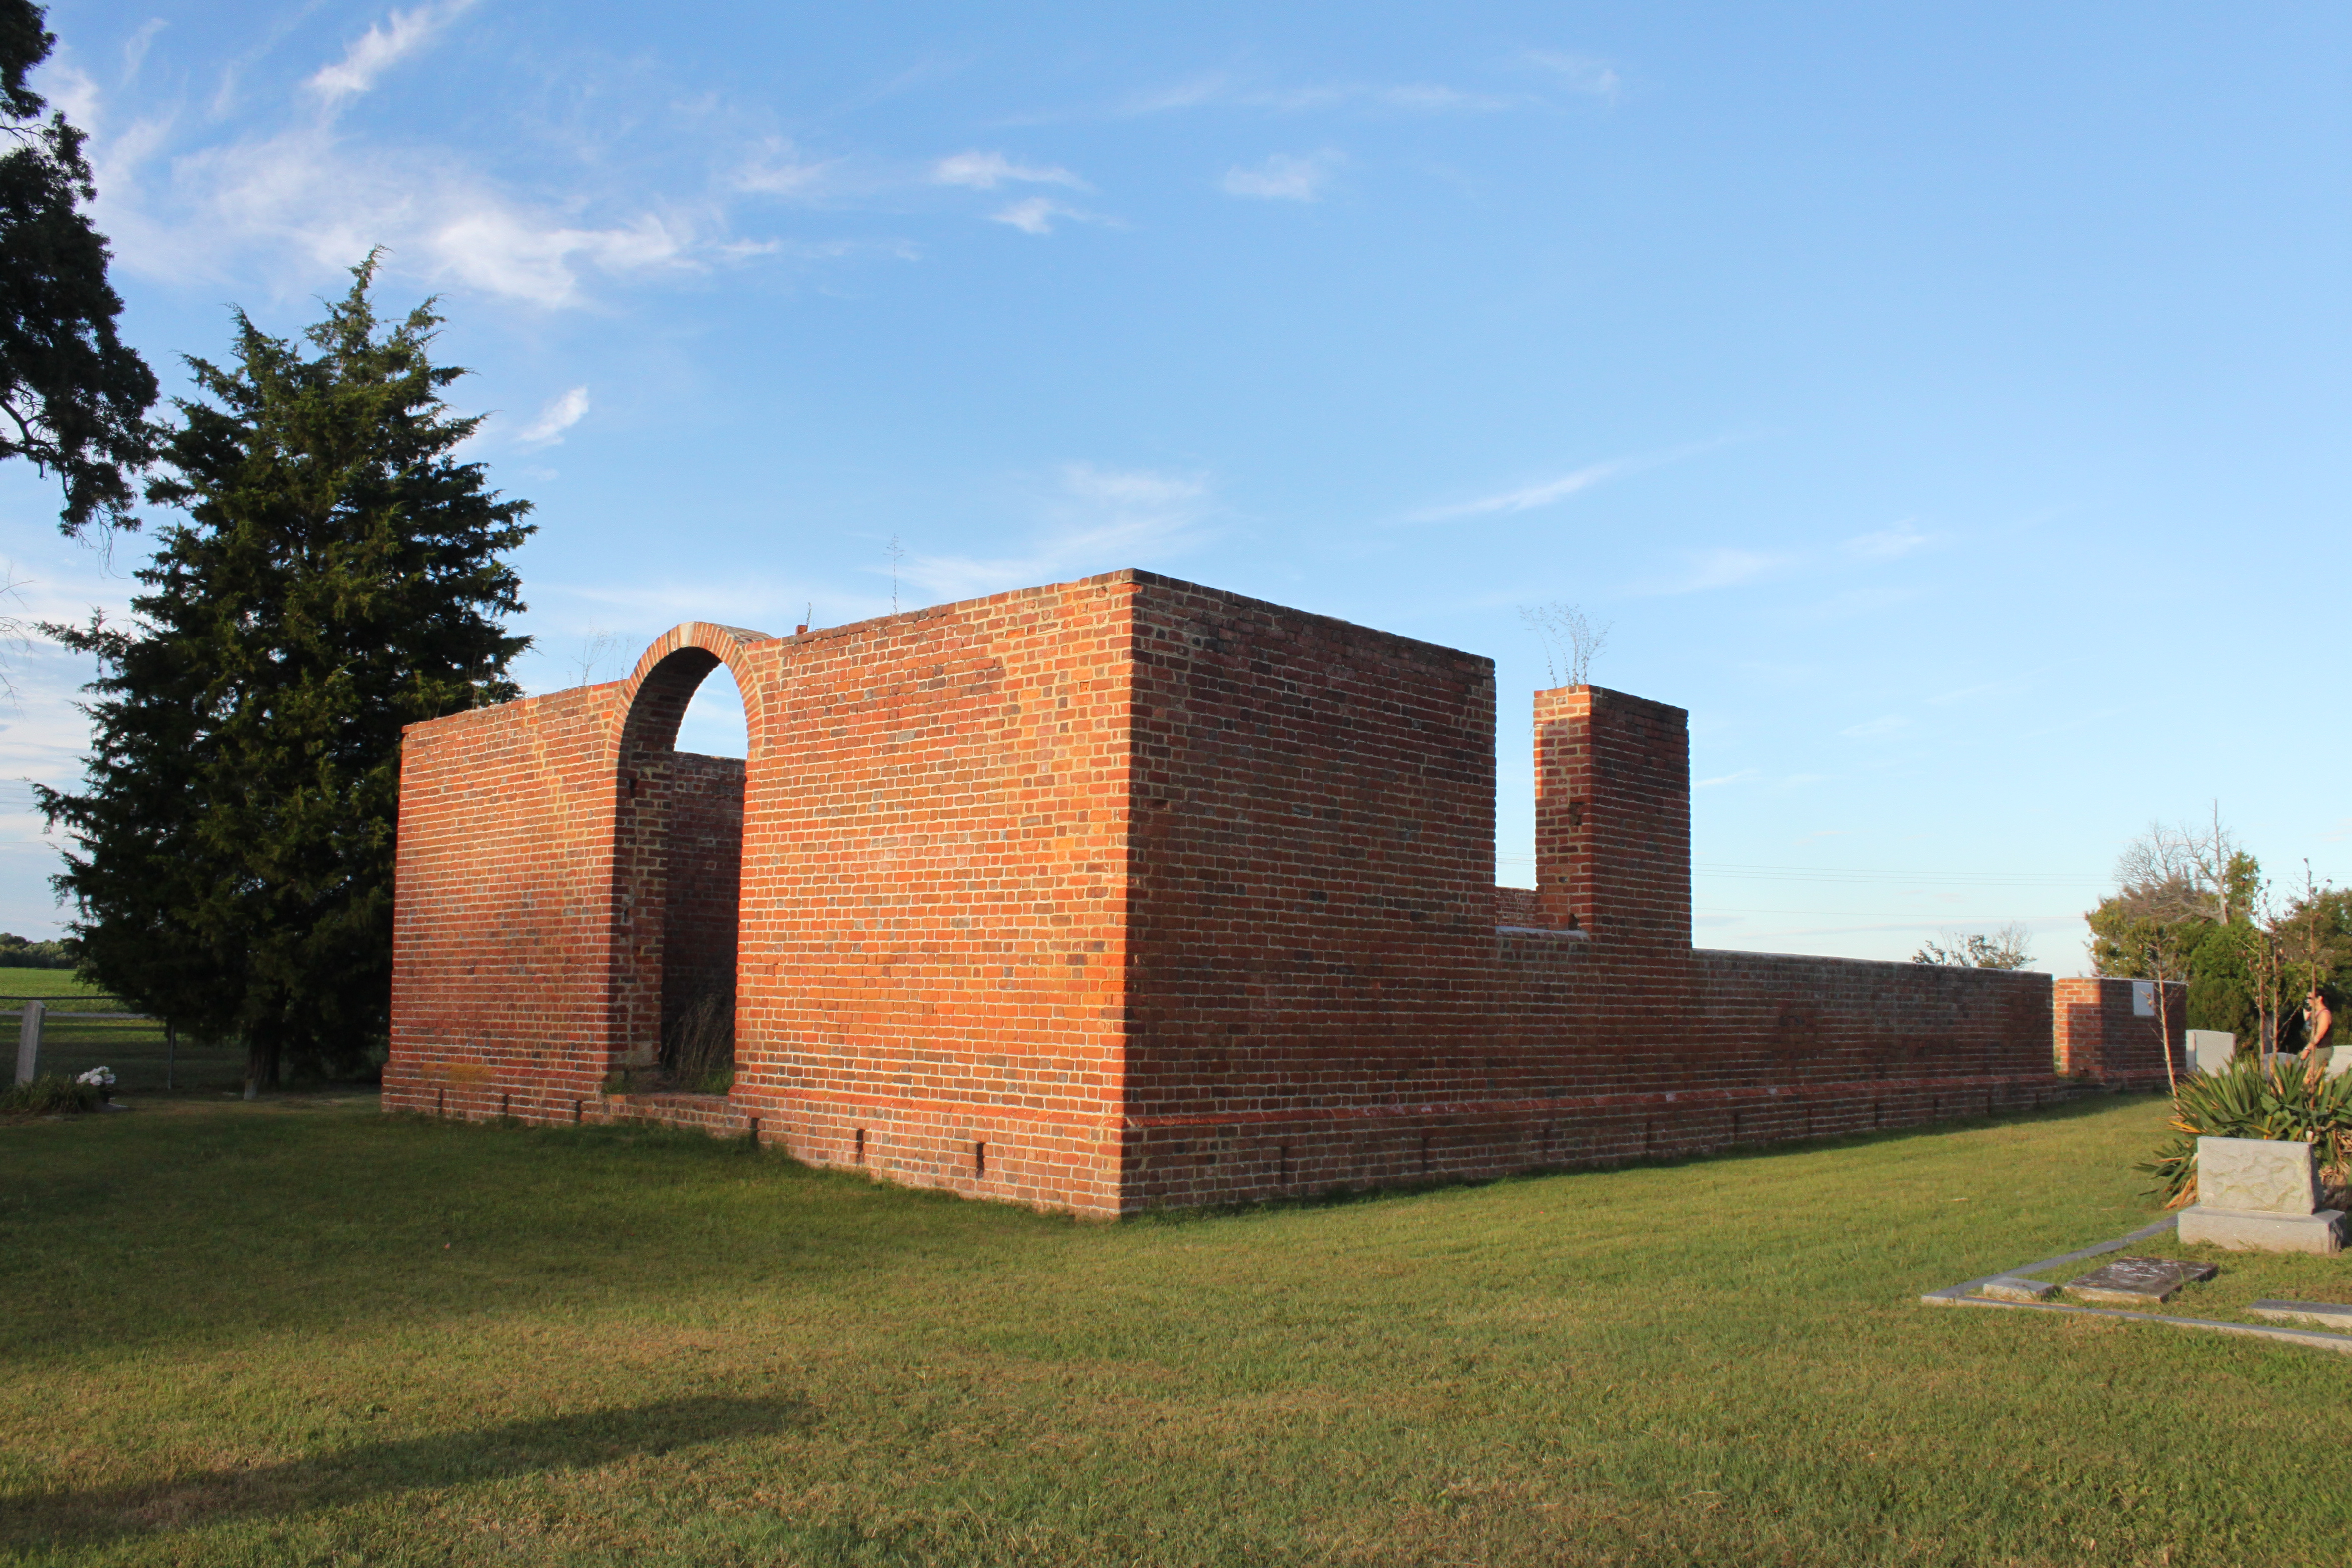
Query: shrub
column 2288, row 1100
column 51, row 1094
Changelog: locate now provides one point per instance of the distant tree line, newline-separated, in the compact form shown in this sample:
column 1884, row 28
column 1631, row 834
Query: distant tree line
column 18, row 952
column 2007, row 948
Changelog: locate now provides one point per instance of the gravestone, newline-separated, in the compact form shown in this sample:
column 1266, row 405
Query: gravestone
column 2010, row 1289
column 2211, row 1051
column 28, row 1042
column 2259, row 1194
column 2139, row 1281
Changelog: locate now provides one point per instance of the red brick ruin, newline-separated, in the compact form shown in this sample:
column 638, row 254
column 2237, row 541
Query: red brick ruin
column 1128, row 893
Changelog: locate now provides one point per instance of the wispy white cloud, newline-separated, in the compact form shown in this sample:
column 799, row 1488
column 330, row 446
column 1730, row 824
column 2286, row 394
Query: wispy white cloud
column 1578, row 73
column 72, row 89
column 1890, row 543
column 1097, row 520
column 1224, row 89
column 1282, row 177
column 1547, row 492
column 1721, row 779
column 1038, row 215
column 1857, row 602
column 1981, row 690
column 508, row 251
column 1720, row 568
column 1877, row 729
column 560, row 414
column 1527, row 498
column 135, row 46
column 307, row 200
column 986, row 171
column 778, row 169
column 296, row 204
column 1190, row 93
column 382, row 47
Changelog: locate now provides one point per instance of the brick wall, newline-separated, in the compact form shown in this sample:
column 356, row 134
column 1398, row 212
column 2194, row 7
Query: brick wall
column 1523, row 907
column 501, row 927
column 1128, row 893
column 1316, row 998
column 934, row 907
column 702, row 866
column 2099, row 1036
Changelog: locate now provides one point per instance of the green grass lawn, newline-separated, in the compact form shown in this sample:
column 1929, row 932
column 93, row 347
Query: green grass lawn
column 46, row 983
column 300, row 1331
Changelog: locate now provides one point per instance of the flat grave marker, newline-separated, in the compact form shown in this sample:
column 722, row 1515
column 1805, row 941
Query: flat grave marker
column 2139, row 1281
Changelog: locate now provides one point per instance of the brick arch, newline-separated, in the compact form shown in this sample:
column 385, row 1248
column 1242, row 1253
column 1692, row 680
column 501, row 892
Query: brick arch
column 656, row 695
column 652, row 785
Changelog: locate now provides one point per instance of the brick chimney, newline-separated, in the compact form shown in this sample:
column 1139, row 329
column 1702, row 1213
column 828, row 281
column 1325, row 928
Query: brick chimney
column 1612, row 815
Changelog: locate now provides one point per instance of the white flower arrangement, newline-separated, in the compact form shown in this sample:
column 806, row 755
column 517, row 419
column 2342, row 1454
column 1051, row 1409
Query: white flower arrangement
column 98, row 1077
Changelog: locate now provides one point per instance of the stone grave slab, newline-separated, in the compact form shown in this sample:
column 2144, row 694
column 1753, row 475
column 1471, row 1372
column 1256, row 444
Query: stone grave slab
column 2211, row 1051
column 2327, row 1314
column 2009, row 1288
column 2256, row 1175
column 2139, row 1281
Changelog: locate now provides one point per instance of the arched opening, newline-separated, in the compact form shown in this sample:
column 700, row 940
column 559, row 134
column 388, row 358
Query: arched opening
column 680, row 867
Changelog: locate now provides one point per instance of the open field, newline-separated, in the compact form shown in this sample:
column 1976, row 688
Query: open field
column 134, row 1047
column 300, row 1331
column 46, row 983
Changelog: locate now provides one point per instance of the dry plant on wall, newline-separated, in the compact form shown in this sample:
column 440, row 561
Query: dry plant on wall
column 597, row 647
column 1570, row 640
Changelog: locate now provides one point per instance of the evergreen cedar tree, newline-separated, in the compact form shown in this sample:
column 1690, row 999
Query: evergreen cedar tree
column 339, row 575
column 73, row 396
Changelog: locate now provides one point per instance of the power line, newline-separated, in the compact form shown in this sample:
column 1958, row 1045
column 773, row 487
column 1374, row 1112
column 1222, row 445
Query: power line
column 1938, row 916
column 1867, row 876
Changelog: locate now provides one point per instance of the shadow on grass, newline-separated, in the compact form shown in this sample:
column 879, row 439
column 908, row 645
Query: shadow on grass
column 35, row 1520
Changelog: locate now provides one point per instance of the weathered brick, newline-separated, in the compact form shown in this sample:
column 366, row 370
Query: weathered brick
column 1128, row 892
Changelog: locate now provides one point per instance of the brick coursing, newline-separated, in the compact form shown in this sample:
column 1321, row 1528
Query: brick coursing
column 1130, row 893
column 2101, row 1038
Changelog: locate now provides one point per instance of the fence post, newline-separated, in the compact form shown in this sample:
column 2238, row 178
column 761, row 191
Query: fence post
column 171, row 1051
column 28, row 1042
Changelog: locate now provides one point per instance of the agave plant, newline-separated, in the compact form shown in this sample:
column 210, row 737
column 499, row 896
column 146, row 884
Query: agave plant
column 2284, row 1098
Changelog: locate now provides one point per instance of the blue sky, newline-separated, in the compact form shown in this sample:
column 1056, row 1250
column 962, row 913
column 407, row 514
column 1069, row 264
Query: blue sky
column 1945, row 405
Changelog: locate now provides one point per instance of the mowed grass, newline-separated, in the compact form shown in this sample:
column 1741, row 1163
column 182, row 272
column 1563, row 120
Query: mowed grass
column 302, row 1331
column 46, row 983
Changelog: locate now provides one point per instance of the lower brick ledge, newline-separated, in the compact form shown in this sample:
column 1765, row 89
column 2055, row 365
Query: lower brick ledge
column 1739, row 1099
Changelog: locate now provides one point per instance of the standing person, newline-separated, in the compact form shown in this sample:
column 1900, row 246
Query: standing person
column 2317, row 1021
